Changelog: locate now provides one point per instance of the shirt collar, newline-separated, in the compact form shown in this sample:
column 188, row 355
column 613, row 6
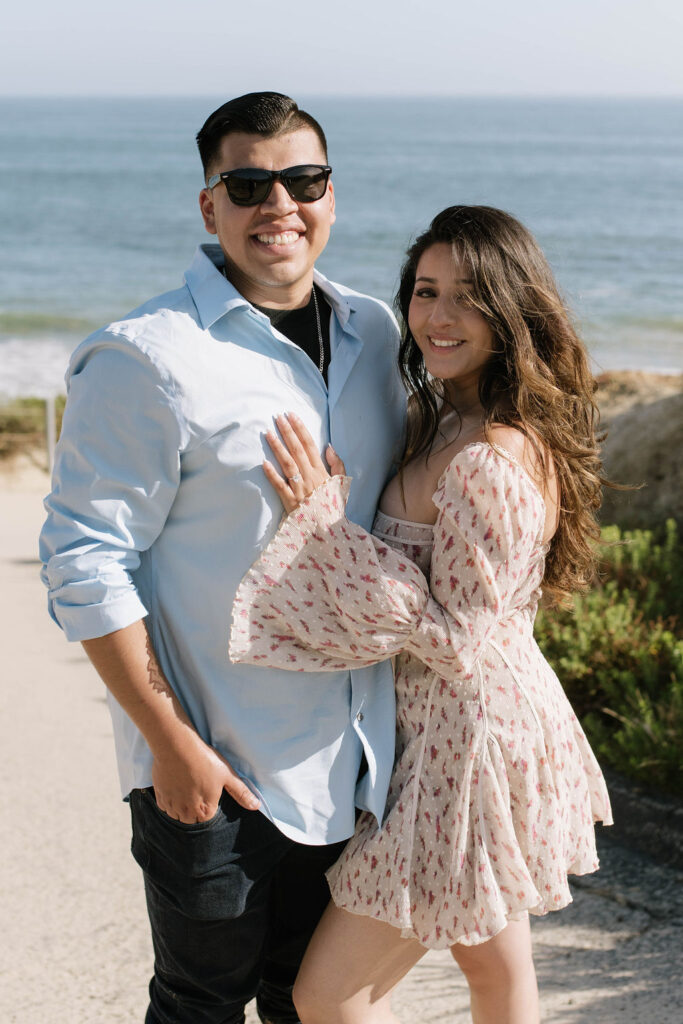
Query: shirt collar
column 214, row 295
column 211, row 292
column 341, row 304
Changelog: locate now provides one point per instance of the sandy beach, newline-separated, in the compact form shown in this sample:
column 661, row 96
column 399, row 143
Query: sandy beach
column 75, row 943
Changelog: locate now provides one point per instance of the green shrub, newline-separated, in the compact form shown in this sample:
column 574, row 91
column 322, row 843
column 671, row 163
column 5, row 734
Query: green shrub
column 619, row 655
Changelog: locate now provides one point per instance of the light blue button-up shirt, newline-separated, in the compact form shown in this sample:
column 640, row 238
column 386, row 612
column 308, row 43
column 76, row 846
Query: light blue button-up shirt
column 160, row 505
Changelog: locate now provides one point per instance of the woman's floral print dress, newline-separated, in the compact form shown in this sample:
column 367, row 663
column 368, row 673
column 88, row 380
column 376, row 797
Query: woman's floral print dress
column 495, row 789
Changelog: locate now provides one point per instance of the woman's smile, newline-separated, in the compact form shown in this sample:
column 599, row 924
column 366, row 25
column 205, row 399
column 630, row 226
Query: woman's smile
column 445, row 342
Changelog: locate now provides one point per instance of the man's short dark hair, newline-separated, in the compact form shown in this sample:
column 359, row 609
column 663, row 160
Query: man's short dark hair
column 256, row 113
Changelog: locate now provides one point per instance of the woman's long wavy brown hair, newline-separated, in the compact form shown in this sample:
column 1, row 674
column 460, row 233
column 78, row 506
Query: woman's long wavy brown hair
column 538, row 380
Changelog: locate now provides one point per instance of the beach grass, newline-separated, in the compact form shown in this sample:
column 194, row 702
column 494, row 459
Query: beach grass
column 22, row 425
column 619, row 654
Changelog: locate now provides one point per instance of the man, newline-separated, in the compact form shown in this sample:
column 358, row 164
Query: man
column 241, row 780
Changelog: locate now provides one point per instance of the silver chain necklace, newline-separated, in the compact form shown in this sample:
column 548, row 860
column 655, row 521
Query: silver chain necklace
column 321, row 361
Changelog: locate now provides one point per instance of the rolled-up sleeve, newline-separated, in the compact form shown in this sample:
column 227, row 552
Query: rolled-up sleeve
column 117, row 470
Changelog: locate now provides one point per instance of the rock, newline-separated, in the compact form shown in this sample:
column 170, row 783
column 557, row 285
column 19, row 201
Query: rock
column 643, row 414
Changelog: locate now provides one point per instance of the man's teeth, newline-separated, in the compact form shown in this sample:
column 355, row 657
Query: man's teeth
column 286, row 238
column 438, row 343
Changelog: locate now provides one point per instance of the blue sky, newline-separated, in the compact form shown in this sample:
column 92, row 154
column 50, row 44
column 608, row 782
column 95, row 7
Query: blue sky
column 351, row 47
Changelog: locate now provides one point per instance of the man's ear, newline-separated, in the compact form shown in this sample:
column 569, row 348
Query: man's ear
column 207, row 208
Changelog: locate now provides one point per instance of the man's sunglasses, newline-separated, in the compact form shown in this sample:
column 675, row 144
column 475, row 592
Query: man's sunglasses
column 249, row 186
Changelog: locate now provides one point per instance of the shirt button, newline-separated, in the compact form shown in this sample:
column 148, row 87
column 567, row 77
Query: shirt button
column 359, row 716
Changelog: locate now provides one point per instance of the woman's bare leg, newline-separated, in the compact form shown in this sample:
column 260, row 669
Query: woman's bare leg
column 501, row 977
column 350, row 969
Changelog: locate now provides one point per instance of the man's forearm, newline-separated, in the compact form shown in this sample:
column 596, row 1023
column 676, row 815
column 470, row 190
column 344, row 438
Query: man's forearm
column 127, row 664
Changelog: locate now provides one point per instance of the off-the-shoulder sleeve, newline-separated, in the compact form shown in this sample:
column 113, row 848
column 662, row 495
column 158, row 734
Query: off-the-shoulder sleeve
column 325, row 594
column 487, row 540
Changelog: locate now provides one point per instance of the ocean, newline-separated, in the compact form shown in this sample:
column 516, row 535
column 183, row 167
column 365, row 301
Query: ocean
column 98, row 207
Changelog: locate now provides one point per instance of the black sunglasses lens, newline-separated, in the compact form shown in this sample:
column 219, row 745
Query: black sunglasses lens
column 248, row 188
column 306, row 184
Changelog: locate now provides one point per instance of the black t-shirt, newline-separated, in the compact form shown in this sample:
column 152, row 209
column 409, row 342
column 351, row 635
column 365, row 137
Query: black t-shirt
column 301, row 327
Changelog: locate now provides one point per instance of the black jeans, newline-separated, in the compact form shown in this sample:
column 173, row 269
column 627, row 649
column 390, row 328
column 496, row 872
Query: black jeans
column 232, row 903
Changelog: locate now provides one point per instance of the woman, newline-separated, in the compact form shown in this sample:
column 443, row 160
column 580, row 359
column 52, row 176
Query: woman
column 495, row 789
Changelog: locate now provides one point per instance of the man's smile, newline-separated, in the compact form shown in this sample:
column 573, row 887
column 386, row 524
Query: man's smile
column 280, row 238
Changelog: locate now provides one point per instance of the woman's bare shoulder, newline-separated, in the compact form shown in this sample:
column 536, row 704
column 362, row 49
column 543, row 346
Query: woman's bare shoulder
column 512, row 441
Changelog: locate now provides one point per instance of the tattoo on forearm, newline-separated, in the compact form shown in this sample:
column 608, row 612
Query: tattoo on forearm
column 156, row 677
